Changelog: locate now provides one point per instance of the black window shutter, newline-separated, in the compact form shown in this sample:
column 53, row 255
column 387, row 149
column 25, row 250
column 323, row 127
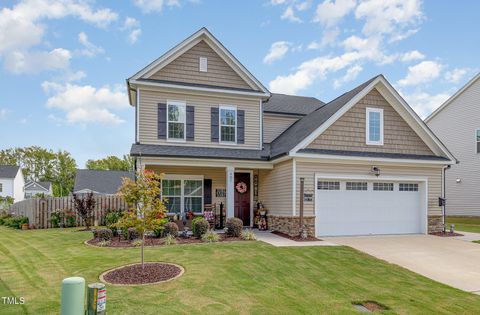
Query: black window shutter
column 190, row 123
column 214, row 124
column 240, row 126
column 207, row 191
column 162, row 121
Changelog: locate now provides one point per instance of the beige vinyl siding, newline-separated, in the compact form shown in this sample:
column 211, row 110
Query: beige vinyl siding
column 274, row 125
column 348, row 132
column 148, row 117
column 217, row 175
column 275, row 189
column 455, row 126
column 307, row 170
column 186, row 69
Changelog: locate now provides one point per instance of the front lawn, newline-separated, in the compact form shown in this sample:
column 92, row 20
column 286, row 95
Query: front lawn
column 232, row 278
column 466, row 224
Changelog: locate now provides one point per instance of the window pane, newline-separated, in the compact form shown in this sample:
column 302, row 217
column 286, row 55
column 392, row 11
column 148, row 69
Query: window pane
column 323, row 185
column 383, row 186
column 227, row 117
column 171, row 187
column 408, row 187
column 176, row 113
column 193, row 204
column 173, row 204
column 176, row 130
column 357, row 186
column 478, row 135
column 374, row 126
column 193, row 188
column 478, row 147
column 227, row 134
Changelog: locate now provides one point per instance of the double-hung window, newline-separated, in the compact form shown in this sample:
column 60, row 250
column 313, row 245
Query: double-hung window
column 176, row 114
column 228, row 124
column 183, row 193
column 477, row 139
column 1, row 187
column 374, row 127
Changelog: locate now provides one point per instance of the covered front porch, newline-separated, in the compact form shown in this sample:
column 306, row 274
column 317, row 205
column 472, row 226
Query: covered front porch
column 229, row 189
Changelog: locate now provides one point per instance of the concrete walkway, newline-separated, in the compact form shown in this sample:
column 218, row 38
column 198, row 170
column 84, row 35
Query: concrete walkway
column 468, row 236
column 449, row 260
column 279, row 241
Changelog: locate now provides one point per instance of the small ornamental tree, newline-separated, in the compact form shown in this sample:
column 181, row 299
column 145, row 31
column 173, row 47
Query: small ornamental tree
column 85, row 206
column 147, row 211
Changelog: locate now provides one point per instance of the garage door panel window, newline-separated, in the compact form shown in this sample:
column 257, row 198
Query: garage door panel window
column 407, row 187
column 328, row 185
column 383, row 186
column 357, row 186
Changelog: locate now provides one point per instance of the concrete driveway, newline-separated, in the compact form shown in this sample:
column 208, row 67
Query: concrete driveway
column 451, row 261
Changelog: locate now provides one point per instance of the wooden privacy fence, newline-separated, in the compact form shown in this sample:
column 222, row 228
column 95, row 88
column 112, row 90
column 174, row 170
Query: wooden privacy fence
column 39, row 210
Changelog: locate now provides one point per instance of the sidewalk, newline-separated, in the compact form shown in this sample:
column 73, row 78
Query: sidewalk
column 279, row 241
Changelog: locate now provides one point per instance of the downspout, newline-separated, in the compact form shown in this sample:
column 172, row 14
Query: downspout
column 444, row 208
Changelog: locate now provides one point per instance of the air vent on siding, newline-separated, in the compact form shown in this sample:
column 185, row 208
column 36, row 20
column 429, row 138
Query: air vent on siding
column 203, row 64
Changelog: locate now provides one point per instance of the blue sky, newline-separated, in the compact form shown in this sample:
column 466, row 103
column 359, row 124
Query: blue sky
column 63, row 63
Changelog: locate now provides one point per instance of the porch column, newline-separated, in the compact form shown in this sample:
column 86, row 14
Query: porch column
column 230, row 172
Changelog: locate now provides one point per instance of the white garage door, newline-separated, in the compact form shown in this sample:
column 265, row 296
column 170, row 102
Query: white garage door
column 355, row 207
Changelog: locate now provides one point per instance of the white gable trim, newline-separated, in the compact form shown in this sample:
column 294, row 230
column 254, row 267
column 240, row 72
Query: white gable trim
column 188, row 43
column 453, row 97
column 399, row 104
column 38, row 187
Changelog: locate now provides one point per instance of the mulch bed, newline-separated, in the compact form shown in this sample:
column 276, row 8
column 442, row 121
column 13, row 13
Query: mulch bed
column 445, row 234
column 152, row 241
column 134, row 274
column 296, row 238
column 372, row 306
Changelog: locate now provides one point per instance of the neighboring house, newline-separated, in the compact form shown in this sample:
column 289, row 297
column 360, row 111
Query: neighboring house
column 369, row 164
column 34, row 188
column 11, row 182
column 457, row 124
column 99, row 182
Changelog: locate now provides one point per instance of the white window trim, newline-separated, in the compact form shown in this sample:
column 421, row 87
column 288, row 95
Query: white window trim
column 184, row 105
column 367, row 126
column 182, row 178
column 203, row 61
column 228, row 107
column 476, row 141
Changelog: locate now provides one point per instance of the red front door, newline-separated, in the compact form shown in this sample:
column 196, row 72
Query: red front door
column 242, row 197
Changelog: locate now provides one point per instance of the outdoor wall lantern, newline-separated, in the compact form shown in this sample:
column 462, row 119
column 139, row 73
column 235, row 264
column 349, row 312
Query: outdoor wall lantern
column 458, row 180
column 376, row 171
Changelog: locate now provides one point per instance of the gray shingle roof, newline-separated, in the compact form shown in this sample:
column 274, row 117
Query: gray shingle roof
column 45, row 185
column 103, row 182
column 375, row 154
column 8, row 171
column 291, row 104
column 307, row 124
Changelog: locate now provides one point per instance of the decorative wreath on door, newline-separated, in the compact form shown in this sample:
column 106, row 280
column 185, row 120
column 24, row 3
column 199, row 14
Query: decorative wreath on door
column 241, row 187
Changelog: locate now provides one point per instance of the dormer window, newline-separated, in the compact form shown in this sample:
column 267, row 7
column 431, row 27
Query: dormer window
column 203, row 64
column 374, row 127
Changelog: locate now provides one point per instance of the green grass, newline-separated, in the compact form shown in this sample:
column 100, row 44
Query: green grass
column 466, row 224
column 478, row 241
column 220, row 278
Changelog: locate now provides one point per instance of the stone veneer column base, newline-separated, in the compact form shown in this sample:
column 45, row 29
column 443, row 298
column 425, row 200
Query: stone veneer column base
column 435, row 223
column 290, row 225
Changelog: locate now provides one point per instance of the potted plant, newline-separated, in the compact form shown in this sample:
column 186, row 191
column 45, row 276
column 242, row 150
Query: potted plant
column 25, row 226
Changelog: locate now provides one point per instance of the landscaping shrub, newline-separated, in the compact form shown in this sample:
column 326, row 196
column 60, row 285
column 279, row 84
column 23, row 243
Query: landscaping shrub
column 170, row 228
column 137, row 242
column 210, row 237
column 132, row 234
column 56, row 218
column 103, row 234
column 112, row 217
column 200, row 226
column 16, row 222
column 3, row 217
column 70, row 219
column 170, row 240
column 234, row 227
column 103, row 243
column 248, row 235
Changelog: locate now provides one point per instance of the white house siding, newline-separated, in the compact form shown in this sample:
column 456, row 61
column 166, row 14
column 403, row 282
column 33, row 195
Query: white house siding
column 7, row 187
column 455, row 125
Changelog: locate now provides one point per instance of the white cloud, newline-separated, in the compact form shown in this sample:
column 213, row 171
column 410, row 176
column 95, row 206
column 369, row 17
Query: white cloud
column 289, row 15
column 302, row 6
column 424, row 103
column 85, row 103
column 132, row 26
column 148, row 6
column 329, row 12
column 277, row 51
column 412, row 55
column 455, row 75
column 22, row 27
column 329, row 37
column 19, row 62
column 89, row 50
column 351, row 75
column 423, row 72
column 3, row 113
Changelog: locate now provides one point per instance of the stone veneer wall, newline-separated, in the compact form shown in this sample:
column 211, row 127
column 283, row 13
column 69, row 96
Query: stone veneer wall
column 435, row 223
column 290, row 225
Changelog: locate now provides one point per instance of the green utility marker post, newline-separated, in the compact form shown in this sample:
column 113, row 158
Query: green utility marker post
column 73, row 296
column 96, row 299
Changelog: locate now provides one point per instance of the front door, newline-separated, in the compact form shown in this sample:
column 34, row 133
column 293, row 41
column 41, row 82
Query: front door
column 242, row 197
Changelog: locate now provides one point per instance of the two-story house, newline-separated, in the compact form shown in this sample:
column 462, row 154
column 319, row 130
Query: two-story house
column 11, row 182
column 35, row 188
column 456, row 122
column 367, row 162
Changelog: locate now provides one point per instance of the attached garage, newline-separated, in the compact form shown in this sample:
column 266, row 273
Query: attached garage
column 353, row 206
